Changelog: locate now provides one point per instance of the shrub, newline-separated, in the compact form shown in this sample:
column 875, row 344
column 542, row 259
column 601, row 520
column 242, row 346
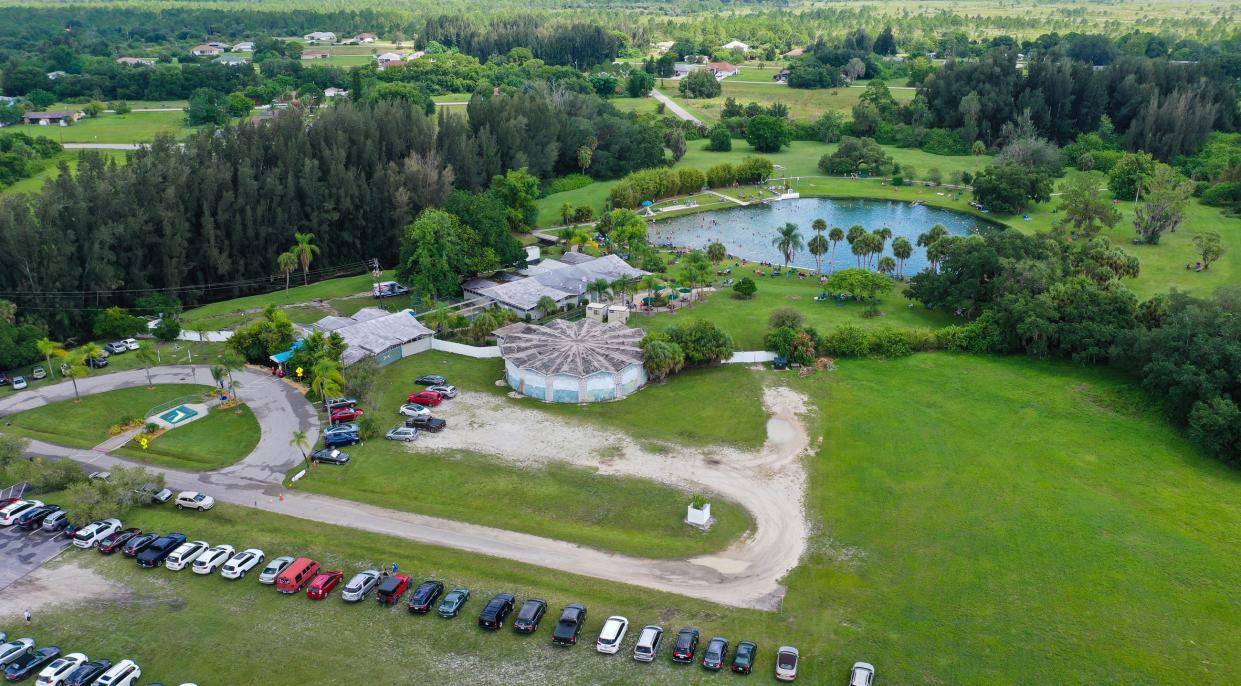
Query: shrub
column 786, row 317
column 944, row 142
column 745, row 288
column 721, row 175
column 569, row 183
column 888, row 343
column 846, row 341
column 721, row 139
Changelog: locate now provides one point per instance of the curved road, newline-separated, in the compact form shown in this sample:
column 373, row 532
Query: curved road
column 256, row 481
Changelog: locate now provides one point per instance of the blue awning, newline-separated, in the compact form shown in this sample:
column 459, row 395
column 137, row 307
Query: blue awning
column 281, row 358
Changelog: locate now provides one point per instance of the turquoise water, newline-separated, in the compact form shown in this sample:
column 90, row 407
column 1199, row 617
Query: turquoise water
column 748, row 231
column 178, row 414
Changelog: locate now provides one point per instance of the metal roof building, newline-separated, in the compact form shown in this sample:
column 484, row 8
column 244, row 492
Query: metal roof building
column 572, row 362
column 372, row 332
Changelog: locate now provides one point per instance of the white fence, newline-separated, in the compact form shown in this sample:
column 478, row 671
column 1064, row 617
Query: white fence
column 474, row 351
column 750, row 356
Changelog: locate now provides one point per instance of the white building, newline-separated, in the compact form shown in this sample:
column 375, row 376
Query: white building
column 205, row 50
column 572, row 362
column 334, row 92
column 137, row 61
column 566, row 281
column 244, row 46
column 372, row 332
column 664, row 46
column 320, row 37
column 736, row 45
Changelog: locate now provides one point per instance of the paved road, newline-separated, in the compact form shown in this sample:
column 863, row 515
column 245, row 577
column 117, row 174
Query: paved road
column 103, row 146
column 256, row 481
column 21, row 552
column 676, row 109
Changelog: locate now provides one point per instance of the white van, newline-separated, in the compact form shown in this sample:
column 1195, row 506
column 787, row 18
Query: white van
column 10, row 513
column 123, row 673
column 90, row 535
column 185, row 554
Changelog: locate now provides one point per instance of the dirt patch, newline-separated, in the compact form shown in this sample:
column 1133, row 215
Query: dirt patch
column 59, row 584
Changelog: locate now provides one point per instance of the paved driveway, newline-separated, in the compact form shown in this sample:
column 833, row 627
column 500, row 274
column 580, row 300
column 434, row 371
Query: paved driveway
column 24, row 551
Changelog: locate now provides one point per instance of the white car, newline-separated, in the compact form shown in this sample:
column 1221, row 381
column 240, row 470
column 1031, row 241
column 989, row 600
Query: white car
column 241, row 563
column 131, row 343
column 361, row 584
column 102, row 476
column 60, row 669
column 612, row 635
column 123, row 673
column 19, row 383
column 415, row 410
column 90, row 535
column 786, row 663
column 195, row 501
column 185, row 554
column 14, row 649
column 10, row 513
column 212, row 559
column 273, row 569
column 862, row 674
column 447, row 390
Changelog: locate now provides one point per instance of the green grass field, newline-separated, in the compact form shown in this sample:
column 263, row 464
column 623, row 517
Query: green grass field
column 177, row 352
column 223, row 437
column 230, row 312
column 135, row 127
column 803, row 104
column 978, row 520
column 84, row 423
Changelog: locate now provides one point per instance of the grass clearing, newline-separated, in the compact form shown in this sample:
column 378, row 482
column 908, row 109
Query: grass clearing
column 755, row 85
column 84, row 423
column 220, row 439
column 135, row 127
column 235, row 310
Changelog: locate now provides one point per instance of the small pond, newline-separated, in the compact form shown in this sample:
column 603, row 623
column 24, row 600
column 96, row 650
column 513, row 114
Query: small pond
column 748, row 231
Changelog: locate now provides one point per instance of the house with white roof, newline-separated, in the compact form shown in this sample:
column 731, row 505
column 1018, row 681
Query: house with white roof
column 736, row 45
column 244, row 46
column 565, row 281
column 334, row 92
column 320, row 37
column 372, row 332
column 205, row 50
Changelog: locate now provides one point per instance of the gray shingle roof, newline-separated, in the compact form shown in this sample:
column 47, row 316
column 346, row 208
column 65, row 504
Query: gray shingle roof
column 578, row 348
column 372, row 331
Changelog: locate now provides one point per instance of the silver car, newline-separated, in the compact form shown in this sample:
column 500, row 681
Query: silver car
column 14, row 649
column 402, row 433
column 863, row 674
column 447, row 390
column 648, row 643
column 273, row 569
column 360, row 585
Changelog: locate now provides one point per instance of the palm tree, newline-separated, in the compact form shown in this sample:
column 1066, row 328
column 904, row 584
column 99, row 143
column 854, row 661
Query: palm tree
column 286, row 262
column 599, row 286
column 836, row 235
column 624, row 285
column 304, row 250
column 887, row 265
column 76, row 365
column 547, row 306
column 819, row 225
column 302, row 443
column 854, row 232
column 884, row 233
column 858, row 248
column 903, row 250
column 818, row 245
column 149, row 357
column 925, row 240
column 566, row 213
column 49, row 348
column 575, row 238
column 218, row 374
column 232, row 360
column 328, row 379
column 788, row 241
column 716, row 252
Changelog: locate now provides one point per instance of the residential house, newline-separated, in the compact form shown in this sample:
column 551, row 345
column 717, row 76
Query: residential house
column 415, row 55
column 232, row 60
column 244, row 46
column 722, row 70
column 681, row 70
column 137, row 61
column 65, row 118
column 736, row 45
column 218, row 44
column 388, row 58
column 795, row 52
column 372, row 332
column 53, row 75
column 564, row 280
column 365, row 38
column 205, row 51
column 320, row 37
column 334, row 92
column 664, row 46
column 315, row 54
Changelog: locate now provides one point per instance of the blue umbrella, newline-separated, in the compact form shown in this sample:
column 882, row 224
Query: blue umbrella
column 647, row 203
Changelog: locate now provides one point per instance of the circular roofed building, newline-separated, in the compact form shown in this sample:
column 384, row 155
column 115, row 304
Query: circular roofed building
column 572, row 362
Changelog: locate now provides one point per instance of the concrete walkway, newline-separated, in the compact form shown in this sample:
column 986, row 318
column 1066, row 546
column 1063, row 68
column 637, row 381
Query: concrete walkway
column 103, row 146
column 676, row 109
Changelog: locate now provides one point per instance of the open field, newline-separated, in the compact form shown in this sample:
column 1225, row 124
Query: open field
column 1036, row 514
column 84, row 423
column 135, row 127
column 228, row 313
column 223, row 437
column 803, row 104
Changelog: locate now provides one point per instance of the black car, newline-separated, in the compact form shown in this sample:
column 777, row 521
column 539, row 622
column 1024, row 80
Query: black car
column 743, row 659
column 426, row 423
column 30, row 663
column 330, row 456
column 88, row 672
column 715, row 654
column 117, row 539
column 5, row 380
column 529, row 616
column 425, row 596
column 159, row 549
column 431, row 380
column 33, row 518
column 138, row 544
column 496, row 611
column 96, row 361
column 686, row 646
column 570, row 625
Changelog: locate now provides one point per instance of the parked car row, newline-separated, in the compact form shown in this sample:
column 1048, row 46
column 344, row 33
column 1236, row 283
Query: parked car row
column 21, row 659
column 417, row 409
column 49, row 518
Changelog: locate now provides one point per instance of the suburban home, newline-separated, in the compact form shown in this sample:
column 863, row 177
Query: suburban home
column 681, row 70
column 320, row 37
column 244, row 46
column 53, row 75
column 205, row 50
column 51, row 118
column 334, row 92
column 795, row 52
column 664, row 46
column 232, row 60
column 722, row 69
column 315, row 54
column 389, row 57
column 364, row 38
column 372, row 332
column 564, row 280
column 137, row 61
column 736, row 45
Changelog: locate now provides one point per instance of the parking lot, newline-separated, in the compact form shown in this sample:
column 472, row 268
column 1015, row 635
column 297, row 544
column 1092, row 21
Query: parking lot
column 23, row 551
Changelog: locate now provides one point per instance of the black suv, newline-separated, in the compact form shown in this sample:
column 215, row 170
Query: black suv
column 570, row 625
column 159, row 549
column 686, row 646
column 497, row 609
column 424, row 597
column 33, row 519
column 431, row 380
column 715, row 654
column 530, row 615
column 424, row 422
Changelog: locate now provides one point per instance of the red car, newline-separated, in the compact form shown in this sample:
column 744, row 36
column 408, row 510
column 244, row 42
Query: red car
column 345, row 414
column 112, row 543
column 391, row 588
column 323, row 584
column 431, row 398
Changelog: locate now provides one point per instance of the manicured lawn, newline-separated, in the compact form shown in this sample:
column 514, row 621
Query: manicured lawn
column 177, row 352
column 803, row 104
column 84, row 423
column 452, row 97
column 220, row 439
column 646, row 105
column 135, row 127
column 746, row 320
column 328, row 288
